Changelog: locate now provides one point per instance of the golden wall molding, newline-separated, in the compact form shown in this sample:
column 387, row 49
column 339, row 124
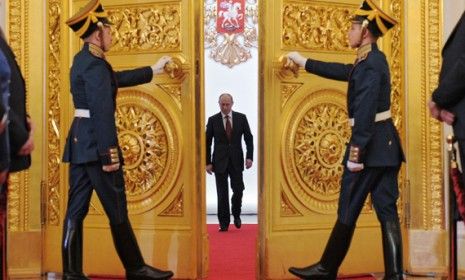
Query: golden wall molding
column 53, row 117
column 140, row 28
column 432, row 168
column 316, row 26
column 18, row 184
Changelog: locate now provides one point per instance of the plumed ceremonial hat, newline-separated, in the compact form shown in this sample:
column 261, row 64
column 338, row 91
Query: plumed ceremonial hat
column 371, row 16
column 88, row 19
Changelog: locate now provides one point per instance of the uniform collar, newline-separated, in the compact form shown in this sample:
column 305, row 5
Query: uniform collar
column 96, row 50
column 363, row 51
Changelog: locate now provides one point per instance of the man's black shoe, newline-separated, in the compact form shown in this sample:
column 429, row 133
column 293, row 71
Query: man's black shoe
column 237, row 222
column 148, row 273
column 223, row 228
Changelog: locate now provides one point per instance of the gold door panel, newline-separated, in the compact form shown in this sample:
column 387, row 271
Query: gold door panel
column 305, row 141
column 157, row 130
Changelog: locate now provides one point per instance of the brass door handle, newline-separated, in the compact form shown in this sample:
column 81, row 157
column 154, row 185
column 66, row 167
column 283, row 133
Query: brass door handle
column 288, row 69
column 174, row 68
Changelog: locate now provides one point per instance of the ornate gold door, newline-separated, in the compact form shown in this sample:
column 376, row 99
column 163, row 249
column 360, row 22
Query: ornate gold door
column 159, row 125
column 304, row 129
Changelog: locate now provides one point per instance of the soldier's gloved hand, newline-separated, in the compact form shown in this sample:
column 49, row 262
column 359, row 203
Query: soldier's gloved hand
column 159, row 66
column 297, row 58
column 354, row 167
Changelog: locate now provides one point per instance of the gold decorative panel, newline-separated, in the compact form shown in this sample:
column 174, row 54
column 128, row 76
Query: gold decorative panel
column 287, row 90
column 53, row 119
column 173, row 90
column 151, row 149
column 287, row 209
column 316, row 26
column 314, row 143
column 176, row 208
column 146, row 28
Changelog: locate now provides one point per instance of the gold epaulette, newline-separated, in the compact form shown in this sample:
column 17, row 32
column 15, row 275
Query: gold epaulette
column 96, row 51
column 363, row 51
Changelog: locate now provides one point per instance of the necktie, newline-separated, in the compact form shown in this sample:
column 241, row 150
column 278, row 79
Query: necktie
column 228, row 128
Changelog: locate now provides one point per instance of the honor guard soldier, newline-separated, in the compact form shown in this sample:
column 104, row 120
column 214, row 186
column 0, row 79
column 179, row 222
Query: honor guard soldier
column 373, row 156
column 92, row 146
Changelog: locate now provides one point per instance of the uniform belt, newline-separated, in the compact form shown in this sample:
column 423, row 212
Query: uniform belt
column 379, row 117
column 82, row 113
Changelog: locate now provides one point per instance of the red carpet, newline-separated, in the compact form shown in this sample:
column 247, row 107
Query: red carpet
column 233, row 253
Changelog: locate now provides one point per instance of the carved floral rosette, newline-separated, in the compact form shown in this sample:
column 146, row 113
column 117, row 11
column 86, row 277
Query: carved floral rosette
column 150, row 145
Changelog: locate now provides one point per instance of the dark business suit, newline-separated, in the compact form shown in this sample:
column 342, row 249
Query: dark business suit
column 18, row 128
column 4, row 158
column 18, row 132
column 450, row 93
column 228, row 161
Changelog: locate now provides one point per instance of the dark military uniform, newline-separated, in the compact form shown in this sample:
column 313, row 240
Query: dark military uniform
column 93, row 143
column 374, row 140
column 92, row 139
column 374, row 145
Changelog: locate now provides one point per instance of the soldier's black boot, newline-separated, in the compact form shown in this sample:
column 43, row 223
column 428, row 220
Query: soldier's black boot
column 71, row 251
column 335, row 252
column 131, row 257
column 392, row 250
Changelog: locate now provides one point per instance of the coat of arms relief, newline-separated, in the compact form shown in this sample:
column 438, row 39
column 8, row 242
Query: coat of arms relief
column 231, row 30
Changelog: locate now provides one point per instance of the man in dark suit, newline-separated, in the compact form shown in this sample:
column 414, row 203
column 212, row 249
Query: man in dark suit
column 228, row 127
column 373, row 155
column 448, row 99
column 92, row 146
column 4, row 156
column 20, row 138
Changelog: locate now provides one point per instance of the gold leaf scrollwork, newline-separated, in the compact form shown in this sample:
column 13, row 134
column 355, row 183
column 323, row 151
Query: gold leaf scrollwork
column 146, row 29
column 149, row 142
column 312, row 27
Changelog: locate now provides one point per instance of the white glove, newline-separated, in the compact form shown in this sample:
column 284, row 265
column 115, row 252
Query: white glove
column 297, row 58
column 354, row 167
column 159, row 66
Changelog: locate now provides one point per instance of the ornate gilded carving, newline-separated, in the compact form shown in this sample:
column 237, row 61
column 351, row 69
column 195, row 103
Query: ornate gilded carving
column 316, row 26
column 287, row 90
column 53, row 112
column 432, row 184
column 173, row 90
column 287, row 209
column 149, row 142
column 176, row 208
column 231, row 49
column 18, row 22
column 314, row 141
column 14, row 202
column 146, row 28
